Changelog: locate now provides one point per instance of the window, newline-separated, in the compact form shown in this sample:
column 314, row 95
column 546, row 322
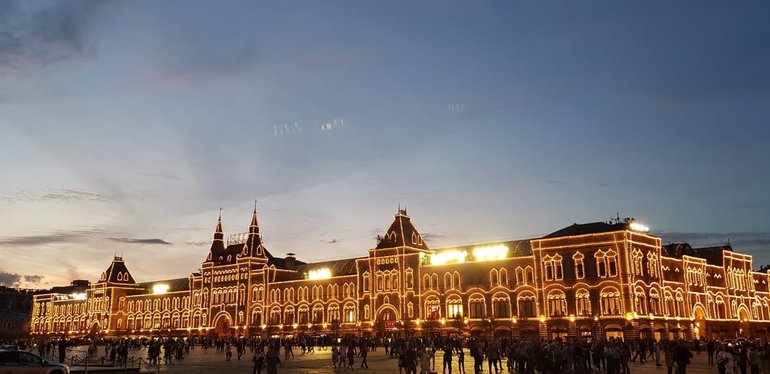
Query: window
column 636, row 260
column 434, row 281
column 601, row 264
column 640, row 301
column 366, row 311
column 503, row 276
column 366, row 281
column 501, row 306
column 493, row 278
column 410, row 309
column 652, row 264
column 454, row 307
column 476, row 306
column 548, row 268
column 409, row 279
column 580, row 268
column 350, row 313
column 610, row 301
column 432, row 309
column 612, row 263
column 530, row 275
column 519, row 275
column 447, row 281
column 654, row 302
column 582, row 302
column 526, row 304
column 456, row 279
column 557, row 303
column 426, row 282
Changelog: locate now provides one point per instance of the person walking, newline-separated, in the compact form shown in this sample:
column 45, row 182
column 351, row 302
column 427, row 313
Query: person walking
column 682, row 358
column 447, row 358
column 669, row 357
column 364, row 351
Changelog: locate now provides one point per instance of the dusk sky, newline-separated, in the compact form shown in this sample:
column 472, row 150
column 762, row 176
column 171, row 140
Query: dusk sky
column 125, row 126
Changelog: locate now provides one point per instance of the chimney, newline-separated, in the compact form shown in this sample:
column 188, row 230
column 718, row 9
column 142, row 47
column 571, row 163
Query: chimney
column 290, row 261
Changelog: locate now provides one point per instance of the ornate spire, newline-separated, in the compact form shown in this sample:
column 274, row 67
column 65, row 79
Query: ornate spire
column 219, row 235
column 254, row 227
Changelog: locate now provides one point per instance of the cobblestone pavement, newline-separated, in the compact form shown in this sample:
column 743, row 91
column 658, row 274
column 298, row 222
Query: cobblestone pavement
column 203, row 362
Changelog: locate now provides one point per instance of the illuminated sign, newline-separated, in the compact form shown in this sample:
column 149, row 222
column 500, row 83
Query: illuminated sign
column 490, row 253
column 638, row 227
column 448, row 257
column 78, row 296
column 160, row 289
column 323, row 273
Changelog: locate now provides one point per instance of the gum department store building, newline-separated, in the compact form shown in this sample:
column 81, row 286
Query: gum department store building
column 591, row 280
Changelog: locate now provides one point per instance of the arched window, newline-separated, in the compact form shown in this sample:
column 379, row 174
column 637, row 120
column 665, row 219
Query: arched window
column 477, row 306
column 288, row 315
column 493, row 278
column 432, row 308
column 456, row 279
column 580, row 268
column 583, row 302
column 526, row 305
column 680, row 311
column 654, row 302
column 434, row 281
column 503, row 276
column 318, row 313
column 454, row 306
column 447, row 281
column 530, row 275
column 557, row 303
column 409, row 279
column 501, row 305
column 610, row 301
column 640, row 301
column 426, row 282
column 601, row 264
column 366, row 312
column 350, row 313
column 366, row 281
column 519, row 275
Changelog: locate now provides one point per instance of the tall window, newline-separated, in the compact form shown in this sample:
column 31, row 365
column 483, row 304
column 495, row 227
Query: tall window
column 501, row 305
column 612, row 263
column 548, row 268
column 454, row 307
column 636, row 258
column 530, row 273
column 432, row 309
column 456, row 279
column 557, row 266
column 447, row 281
column 409, row 279
column 519, row 275
column 654, row 302
column 503, row 276
column 366, row 281
column 610, row 301
column 580, row 268
column 493, row 278
column 583, row 302
column 601, row 264
column 476, row 305
column 526, row 305
column 652, row 264
column 640, row 301
column 557, row 303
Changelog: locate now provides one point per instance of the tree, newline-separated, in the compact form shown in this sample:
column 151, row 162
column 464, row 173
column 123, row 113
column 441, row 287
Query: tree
column 379, row 327
column 335, row 326
column 430, row 326
column 459, row 323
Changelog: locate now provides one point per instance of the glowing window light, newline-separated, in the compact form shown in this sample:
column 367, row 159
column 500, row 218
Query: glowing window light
column 78, row 296
column 638, row 227
column 448, row 257
column 490, row 253
column 323, row 273
column 160, row 289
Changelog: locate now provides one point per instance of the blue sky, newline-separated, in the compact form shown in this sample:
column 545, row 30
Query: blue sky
column 124, row 126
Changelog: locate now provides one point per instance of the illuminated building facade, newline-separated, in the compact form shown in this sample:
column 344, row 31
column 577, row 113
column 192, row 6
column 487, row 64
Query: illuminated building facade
column 591, row 280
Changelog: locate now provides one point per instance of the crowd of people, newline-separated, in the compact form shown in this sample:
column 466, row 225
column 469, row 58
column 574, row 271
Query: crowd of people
column 570, row 356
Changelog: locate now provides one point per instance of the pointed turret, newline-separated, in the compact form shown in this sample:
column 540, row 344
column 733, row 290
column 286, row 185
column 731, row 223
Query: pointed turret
column 218, row 245
column 117, row 273
column 401, row 233
column 254, row 246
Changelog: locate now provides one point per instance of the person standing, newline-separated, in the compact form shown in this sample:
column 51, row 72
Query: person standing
column 272, row 360
column 682, row 358
column 447, row 358
column 351, row 355
column 710, row 350
column 725, row 361
column 259, row 361
column 62, row 349
column 364, row 351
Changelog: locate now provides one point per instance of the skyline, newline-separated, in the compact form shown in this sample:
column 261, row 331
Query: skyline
column 124, row 127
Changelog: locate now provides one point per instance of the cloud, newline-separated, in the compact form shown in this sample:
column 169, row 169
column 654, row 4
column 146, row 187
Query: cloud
column 432, row 236
column 65, row 194
column 56, row 237
column 740, row 241
column 141, row 241
column 15, row 280
column 197, row 244
column 37, row 37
